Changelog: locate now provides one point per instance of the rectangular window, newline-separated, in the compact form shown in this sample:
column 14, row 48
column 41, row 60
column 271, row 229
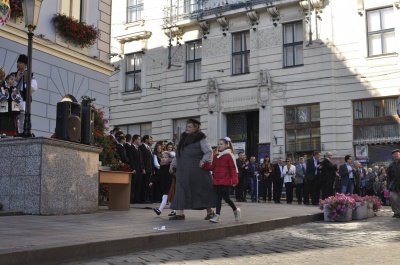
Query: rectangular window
column 302, row 129
column 380, row 26
column 240, row 53
column 72, row 8
column 193, row 60
column 134, row 10
column 375, row 108
column 133, row 72
column 293, row 44
column 179, row 127
column 190, row 6
column 139, row 129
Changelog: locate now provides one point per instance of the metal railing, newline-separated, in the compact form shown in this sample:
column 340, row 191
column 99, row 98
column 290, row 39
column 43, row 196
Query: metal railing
column 197, row 9
column 387, row 133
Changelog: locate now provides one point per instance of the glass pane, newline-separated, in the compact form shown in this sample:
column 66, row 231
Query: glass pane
column 315, row 113
column 303, row 140
column 190, row 51
column 145, row 129
column 374, row 22
column 368, row 109
column 290, row 141
column 288, row 56
column 388, row 42
column 378, row 108
column 387, row 18
column 138, row 62
column 246, row 39
column 138, row 81
column 287, row 34
column 246, row 58
column 197, row 71
column 390, row 107
column 236, row 42
column 130, row 63
column 76, row 9
column 289, row 115
column 358, row 110
column 198, row 50
column 316, row 139
column 374, row 44
column 134, row 129
column 129, row 86
column 190, row 72
column 299, row 55
column 298, row 31
column 237, row 64
column 302, row 114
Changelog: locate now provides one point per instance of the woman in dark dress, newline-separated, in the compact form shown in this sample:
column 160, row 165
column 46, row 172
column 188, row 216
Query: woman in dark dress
column 194, row 188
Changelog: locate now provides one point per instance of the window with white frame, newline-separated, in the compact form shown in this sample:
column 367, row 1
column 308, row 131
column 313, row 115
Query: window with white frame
column 139, row 129
column 193, row 60
column 133, row 72
column 380, row 27
column 72, row 8
column 134, row 10
column 293, row 44
column 240, row 52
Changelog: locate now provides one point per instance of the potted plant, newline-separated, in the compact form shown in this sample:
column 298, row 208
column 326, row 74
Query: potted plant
column 74, row 31
column 361, row 209
column 338, row 208
column 374, row 205
column 16, row 8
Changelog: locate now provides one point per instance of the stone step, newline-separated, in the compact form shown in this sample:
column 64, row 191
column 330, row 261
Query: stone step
column 10, row 213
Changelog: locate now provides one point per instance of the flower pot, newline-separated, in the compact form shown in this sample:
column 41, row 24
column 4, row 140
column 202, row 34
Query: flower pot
column 345, row 218
column 361, row 211
column 370, row 212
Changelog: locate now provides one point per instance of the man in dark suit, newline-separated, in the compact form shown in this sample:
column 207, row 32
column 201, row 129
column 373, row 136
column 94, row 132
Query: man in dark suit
column 147, row 157
column 138, row 167
column 347, row 175
column 277, row 181
column 252, row 172
column 240, row 163
column 121, row 149
column 328, row 176
column 360, row 173
column 312, row 179
column 129, row 153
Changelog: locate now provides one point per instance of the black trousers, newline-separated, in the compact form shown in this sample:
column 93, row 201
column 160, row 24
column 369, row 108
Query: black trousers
column 145, row 194
column 133, row 187
column 278, row 185
column 239, row 189
column 289, row 192
column 223, row 195
column 327, row 187
column 266, row 189
column 300, row 192
column 312, row 189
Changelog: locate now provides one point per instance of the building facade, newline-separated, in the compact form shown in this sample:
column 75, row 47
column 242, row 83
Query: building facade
column 60, row 67
column 281, row 78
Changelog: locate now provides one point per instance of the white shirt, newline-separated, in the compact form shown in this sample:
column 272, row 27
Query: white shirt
column 288, row 173
column 351, row 173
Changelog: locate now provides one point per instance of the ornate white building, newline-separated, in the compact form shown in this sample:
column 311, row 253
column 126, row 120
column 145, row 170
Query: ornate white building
column 60, row 67
column 282, row 78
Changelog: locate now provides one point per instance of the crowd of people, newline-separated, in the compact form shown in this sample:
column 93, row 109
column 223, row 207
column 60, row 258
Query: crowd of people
column 310, row 180
column 13, row 88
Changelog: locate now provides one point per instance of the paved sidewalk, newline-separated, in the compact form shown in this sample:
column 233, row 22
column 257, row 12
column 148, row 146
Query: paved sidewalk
column 31, row 239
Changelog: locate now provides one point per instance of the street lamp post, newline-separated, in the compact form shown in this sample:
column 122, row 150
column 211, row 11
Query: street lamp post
column 31, row 10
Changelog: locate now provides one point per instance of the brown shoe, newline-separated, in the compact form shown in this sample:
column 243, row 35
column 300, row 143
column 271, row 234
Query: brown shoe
column 177, row 217
column 209, row 215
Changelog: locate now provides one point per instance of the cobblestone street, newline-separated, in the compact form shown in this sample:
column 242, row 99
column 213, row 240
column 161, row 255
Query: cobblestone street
column 372, row 241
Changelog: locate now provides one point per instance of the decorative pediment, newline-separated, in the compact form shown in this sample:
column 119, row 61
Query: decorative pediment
column 141, row 35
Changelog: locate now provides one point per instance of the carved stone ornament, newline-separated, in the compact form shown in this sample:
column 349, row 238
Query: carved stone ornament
column 264, row 87
column 253, row 17
column 223, row 22
column 213, row 95
column 360, row 7
column 273, row 11
column 315, row 4
column 175, row 31
column 205, row 26
column 141, row 35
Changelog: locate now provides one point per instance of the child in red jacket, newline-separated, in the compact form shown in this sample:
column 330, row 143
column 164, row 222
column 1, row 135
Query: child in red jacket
column 225, row 175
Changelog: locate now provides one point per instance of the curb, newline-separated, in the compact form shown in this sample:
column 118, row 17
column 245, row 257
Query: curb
column 100, row 249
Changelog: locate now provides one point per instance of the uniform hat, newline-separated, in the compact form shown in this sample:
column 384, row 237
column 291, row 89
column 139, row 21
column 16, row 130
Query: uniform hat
column 395, row 150
column 23, row 59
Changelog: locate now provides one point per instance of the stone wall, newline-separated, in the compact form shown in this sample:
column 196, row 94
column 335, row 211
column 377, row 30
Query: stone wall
column 48, row 176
